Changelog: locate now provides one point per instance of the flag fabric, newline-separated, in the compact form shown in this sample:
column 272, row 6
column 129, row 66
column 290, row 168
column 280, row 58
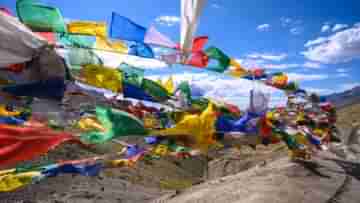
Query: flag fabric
column 256, row 74
column 50, row 37
column 153, row 36
column 171, row 58
column 278, row 80
column 25, row 143
column 217, row 54
column 198, row 59
column 117, row 123
column 11, row 120
column 88, row 28
column 132, row 74
column 78, row 57
column 6, row 113
column 114, row 46
column 18, row 43
column 102, row 77
column 199, row 128
column 12, row 181
column 184, row 88
column 199, row 43
column 125, row 29
column 226, row 124
column 190, row 13
column 141, row 50
column 169, row 85
column 4, row 81
column 136, row 92
column 41, row 18
column 74, row 40
column 82, row 169
column 48, row 89
column 155, row 90
column 236, row 70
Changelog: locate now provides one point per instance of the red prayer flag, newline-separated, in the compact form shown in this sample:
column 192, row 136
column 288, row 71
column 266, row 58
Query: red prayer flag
column 199, row 43
column 16, row 68
column 257, row 72
column 25, row 143
column 198, row 59
column 49, row 36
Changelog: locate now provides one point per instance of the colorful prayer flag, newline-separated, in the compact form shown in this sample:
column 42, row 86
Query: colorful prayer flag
column 125, row 29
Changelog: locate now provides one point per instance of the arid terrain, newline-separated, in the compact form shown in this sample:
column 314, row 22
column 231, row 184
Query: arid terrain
column 230, row 175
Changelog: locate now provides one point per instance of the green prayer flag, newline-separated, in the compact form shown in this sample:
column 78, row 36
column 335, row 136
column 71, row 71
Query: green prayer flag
column 200, row 103
column 155, row 90
column 288, row 139
column 185, row 89
column 78, row 57
column 39, row 17
column 117, row 123
column 132, row 75
column 74, row 40
column 217, row 54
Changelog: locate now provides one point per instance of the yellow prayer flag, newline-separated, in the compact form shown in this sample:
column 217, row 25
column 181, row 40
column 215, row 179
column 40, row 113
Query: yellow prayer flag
column 103, row 43
column 12, row 182
column 89, row 124
column 200, row 128
column 280, row 80
column 161, row 150
column 6, row 113
column 103, row 77
column 88, row 28
column 169, row 85
column 236, row 69
column 4, row 81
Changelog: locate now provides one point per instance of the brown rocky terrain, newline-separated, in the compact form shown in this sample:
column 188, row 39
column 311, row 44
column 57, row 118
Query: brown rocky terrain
column 229, row 175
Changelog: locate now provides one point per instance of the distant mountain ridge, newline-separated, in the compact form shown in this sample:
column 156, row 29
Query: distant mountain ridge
column 346, row 98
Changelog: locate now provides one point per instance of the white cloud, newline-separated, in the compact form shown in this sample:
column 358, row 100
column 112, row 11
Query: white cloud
column 285, row 22
column 292, row 65
column 215, row 5
column 226, row 88
column 281, row 66
column 343, row 46
column 342, row 75
column 338, row 27
column 311, row 65
column 168, row 20
column 319, row 40
column 296, row 30
column 321, row 91
column 112, row 59
column 294, row 25
column 341, row 70
column 306, row 77
column 357, row 24
column 325, row 28
column 265, row 56
column 348, row 86
column 263, row 28
column 250, row 63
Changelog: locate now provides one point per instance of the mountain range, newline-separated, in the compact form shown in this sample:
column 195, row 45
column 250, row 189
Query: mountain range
column 346, row 98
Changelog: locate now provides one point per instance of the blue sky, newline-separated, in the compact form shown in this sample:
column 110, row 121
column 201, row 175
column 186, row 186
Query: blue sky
column 316, row 42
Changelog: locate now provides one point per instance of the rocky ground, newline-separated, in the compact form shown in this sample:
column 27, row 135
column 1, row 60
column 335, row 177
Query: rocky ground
column 231, row 175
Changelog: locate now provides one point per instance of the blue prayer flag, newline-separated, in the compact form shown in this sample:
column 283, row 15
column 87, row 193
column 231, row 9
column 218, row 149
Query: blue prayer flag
column 125, row 29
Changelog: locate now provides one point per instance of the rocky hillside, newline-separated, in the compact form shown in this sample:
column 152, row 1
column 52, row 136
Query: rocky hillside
column 327, row 178
column 346, row 98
